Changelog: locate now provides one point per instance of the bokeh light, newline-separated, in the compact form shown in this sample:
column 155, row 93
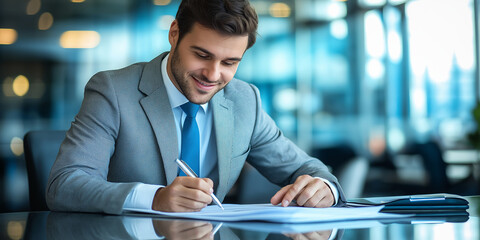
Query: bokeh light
column 79, row 39
column 20, row 85
column 45, row 21
column 280, row 10
column 161, row 2
column 7, row 36
column 16, row 145
column 33, row 7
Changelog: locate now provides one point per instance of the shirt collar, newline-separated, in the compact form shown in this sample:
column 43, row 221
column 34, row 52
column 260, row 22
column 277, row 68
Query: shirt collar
column 176, row 97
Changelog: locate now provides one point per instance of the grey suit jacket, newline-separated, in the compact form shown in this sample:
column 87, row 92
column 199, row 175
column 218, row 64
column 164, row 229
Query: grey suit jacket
column 124, row 134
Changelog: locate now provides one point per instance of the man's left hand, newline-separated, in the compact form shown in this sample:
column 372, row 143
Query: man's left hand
column 306, row 191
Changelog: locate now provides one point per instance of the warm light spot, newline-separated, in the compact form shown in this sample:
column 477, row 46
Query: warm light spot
column 15, row 229
column 45, row 21
column 20, row 85
column 79, row 39
column 7, row 36
column 16, row 145
column 162, row 2
column 376, row 144
column 78, row 1
column 7, row 87
column 280, row 10
column 33, row 7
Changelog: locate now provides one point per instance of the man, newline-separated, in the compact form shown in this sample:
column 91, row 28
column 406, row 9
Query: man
column 120, row 151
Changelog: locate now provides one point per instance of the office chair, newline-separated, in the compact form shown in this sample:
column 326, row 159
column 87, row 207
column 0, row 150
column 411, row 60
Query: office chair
column 433, row 163
column 41, row 149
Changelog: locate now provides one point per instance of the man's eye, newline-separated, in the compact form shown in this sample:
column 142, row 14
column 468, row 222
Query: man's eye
column 228, row 63
column 202, row 55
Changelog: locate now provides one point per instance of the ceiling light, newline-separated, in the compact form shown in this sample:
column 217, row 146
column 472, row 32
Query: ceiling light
column 33, row 7
column 20, row 85
column 45, row 21
column 7, row 36
column 161, row 2
column 79, row 39
column 280, row 10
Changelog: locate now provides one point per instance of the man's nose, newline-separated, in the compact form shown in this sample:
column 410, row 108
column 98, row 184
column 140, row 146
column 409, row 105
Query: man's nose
column 212, row 71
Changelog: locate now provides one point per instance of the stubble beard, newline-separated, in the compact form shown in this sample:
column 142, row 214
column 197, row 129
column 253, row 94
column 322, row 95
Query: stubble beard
column 182, row 80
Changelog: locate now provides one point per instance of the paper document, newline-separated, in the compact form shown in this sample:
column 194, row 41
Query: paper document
column 272, row 213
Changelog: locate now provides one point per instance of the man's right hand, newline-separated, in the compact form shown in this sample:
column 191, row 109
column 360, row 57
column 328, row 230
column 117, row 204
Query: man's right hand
column 185, row 194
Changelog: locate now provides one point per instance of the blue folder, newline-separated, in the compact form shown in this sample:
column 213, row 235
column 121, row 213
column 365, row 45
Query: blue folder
column 426, row 204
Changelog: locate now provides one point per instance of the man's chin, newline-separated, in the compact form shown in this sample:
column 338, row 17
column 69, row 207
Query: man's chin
column 200, row 100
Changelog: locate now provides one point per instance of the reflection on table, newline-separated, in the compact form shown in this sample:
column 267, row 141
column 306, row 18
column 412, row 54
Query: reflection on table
column 58, row 225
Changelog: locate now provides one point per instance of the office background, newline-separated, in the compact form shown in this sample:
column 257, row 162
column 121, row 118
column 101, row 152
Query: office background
column 381, row 90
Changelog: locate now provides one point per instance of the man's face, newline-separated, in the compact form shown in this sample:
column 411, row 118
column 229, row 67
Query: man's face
column 204, row 61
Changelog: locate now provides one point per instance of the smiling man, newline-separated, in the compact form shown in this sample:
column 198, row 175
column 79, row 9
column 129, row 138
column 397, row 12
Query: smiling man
column 134, row 122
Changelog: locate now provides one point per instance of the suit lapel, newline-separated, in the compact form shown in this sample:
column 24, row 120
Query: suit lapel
column 160, row 115
column 223, row 122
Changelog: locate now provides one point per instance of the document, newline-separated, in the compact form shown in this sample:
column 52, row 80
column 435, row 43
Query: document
column 272, row 213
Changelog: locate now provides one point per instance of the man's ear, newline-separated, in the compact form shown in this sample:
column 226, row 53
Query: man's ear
column 173, row 34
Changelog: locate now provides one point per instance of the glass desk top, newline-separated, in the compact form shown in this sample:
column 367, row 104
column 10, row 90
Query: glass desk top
column 57, row 225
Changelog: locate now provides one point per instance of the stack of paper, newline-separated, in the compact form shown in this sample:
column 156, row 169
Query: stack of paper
column 271, row 213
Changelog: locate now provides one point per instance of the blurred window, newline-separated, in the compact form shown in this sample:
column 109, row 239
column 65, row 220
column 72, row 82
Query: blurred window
column 442, row 63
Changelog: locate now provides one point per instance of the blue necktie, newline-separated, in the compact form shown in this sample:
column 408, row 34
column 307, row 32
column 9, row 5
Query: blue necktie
column 190, row 138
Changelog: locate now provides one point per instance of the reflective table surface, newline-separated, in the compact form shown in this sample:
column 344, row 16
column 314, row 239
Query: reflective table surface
column 58, row 225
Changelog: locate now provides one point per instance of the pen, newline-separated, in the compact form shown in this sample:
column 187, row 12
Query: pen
column 189, row 172
column 215, row 230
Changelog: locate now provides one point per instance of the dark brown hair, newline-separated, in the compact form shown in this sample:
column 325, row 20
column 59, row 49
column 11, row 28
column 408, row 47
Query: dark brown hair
column 230, row 17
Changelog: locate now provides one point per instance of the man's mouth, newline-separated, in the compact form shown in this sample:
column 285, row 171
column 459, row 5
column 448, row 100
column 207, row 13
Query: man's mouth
column 203, row 85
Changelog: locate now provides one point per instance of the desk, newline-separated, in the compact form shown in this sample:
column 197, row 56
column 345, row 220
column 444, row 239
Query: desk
column 56, row 225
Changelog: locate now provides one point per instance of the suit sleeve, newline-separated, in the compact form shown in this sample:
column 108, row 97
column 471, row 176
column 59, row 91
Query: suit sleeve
column 78, row 179
column 279, row 159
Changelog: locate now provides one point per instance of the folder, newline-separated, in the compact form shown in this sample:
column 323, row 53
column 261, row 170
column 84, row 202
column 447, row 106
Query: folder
column 440, row 204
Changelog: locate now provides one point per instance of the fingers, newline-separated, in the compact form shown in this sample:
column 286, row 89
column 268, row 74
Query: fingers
column 175, row 229
column 320, row 235
column 307, row 191
column 197, row 230
column 202, row 184
column 195, row 189
column 312, row 193
column 185, row 194
column 295, row 189
column 277, row 198
column 192, row 200
column 209, row 182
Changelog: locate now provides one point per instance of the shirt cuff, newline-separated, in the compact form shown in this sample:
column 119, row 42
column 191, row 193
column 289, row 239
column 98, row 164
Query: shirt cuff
column 333, row 188
column 141, row 196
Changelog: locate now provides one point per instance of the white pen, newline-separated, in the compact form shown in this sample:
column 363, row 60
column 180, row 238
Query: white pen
column 215, row 230
column 189, row 172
